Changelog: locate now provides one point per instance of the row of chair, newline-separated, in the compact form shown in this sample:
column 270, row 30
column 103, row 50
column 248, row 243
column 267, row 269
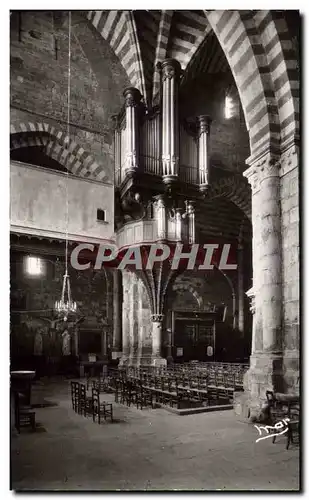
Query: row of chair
column 213, row 374
column 90, row 405
column 130, row 390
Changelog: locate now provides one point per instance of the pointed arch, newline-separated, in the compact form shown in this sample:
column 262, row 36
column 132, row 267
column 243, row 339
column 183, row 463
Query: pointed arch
column 180, row 287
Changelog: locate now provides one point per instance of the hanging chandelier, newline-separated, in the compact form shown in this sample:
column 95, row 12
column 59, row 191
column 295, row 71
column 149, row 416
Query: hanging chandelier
column 66, row 305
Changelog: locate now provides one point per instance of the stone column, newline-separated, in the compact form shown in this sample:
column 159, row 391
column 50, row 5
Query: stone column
column 132, row 100
column 240, row 268
column 289, row 180
column 76, row 343
column 171, row 70
column 265, row 371
column 117, row 313
column 104, row 338
column 204, row 122
column 157, row 360
column 124, row 360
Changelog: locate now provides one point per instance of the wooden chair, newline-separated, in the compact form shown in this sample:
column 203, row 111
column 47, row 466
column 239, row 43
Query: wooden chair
column 285, row 408
column 75, row 395
column 144, row 397
column 100, row 408
column 84, row 401
column 24, row 415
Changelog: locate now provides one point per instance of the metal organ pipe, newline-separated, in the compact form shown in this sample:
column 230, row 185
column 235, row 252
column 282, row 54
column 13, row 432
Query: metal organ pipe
column 170, row 142
column 132, row 99
column 203, row 147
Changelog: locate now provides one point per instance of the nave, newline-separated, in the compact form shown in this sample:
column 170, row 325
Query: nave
column 149, row 449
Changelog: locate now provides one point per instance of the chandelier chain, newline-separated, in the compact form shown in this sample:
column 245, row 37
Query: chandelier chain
column 68, row 139
column 66, row 305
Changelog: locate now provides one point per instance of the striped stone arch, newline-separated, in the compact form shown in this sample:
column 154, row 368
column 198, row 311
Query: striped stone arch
column 235, row 189
column 259, row 51
column 58, row 146
column 162, row 41
column 118, row 28
column 180, row 287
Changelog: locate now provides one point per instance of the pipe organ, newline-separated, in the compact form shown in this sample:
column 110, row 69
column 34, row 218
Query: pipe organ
column 150, row 145
column 188, row 171
column 156, row 143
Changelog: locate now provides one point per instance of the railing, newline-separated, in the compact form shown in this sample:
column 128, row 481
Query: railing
column 143, row 231
column 152, row 165
column 188, row 174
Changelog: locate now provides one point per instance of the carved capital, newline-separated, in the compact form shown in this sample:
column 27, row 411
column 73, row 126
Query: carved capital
column 157, row 318
column 160, row 201
column 189, row 207
column 204, row 122
column 132, row 97
column 170, row 69
column 251, row 295
column 289, row 160
column 267, row 166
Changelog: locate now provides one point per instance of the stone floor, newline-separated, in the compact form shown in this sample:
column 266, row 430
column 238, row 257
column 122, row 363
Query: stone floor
column 146, row 450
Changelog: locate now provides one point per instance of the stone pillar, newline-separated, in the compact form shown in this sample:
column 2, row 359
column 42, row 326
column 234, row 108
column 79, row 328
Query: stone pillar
column 76, row 343
column 117, row 313
column 157, row 359
column 171, row 70
column 132, row 100
column 124, row 360
column 265, row 372
column 204, row 122
column 240, row 268
column 290, row 209
column 104, row 340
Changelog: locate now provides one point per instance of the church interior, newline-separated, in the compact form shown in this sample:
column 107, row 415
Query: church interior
column 142, row 128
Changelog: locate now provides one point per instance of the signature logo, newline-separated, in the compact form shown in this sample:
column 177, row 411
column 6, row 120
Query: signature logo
column 272, row 430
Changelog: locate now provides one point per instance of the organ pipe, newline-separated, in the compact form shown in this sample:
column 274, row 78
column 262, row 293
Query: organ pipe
column 203, row 146
column 170, row 127
column 132, row 100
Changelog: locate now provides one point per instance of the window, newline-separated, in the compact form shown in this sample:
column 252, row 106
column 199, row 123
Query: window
column 101, row 215
column 229, row 107
column 34, row 266
column 231, row 104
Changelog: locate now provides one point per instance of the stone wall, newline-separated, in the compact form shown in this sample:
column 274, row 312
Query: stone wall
column 229, row 139
column 39, row 80
column 289, row 187
column 33, row 299
column 38, row 204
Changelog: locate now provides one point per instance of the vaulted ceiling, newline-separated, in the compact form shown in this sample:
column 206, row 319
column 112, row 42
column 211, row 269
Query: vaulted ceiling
column 143, row 38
